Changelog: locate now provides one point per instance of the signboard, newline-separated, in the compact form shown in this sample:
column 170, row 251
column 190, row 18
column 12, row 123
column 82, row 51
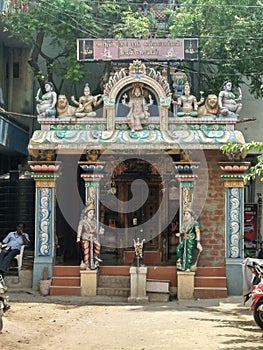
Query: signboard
column 131, row 49
column 250, row 226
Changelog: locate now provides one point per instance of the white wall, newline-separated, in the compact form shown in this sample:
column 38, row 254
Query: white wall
column 252, row 108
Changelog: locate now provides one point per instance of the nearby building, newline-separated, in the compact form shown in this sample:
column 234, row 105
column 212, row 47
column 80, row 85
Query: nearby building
column 17, row 123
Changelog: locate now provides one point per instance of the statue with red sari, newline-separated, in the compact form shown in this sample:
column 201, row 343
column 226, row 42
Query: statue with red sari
column 87, row 235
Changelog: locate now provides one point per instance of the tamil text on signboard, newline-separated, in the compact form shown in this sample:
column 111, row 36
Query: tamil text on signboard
column 129, row 49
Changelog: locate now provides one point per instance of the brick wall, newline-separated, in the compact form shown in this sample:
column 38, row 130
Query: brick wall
column 212, row 213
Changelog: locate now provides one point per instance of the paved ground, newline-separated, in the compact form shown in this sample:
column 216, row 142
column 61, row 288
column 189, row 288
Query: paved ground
column 35, row 322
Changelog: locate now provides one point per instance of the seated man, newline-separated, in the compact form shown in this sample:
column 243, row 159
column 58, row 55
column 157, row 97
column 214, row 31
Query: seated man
column 12, row 244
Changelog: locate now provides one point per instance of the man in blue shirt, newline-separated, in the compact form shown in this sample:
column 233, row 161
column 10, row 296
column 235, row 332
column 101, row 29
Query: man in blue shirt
column 11, row 246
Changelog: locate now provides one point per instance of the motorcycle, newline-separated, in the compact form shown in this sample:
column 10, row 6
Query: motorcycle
column 3, row 300
column 256, row 291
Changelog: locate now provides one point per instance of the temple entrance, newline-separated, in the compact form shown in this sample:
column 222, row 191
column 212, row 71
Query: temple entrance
column 144, row 214
column 145, row 222
column 142, row 220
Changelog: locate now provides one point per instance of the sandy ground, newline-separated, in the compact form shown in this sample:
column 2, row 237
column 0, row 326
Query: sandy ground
column 35, row 322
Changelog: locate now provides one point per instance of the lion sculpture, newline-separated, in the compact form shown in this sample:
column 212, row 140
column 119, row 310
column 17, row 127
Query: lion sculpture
column 64, row 108
column 210, row 107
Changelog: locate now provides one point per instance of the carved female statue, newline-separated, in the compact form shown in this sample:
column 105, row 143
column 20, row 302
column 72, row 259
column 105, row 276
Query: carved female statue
column 87, row 231
column 47, row 104
column 190, row 233
column 227, row 101
column 86, row 103
column 138, row 107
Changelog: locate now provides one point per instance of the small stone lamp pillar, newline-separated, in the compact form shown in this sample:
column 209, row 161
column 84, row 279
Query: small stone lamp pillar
column 138, row 284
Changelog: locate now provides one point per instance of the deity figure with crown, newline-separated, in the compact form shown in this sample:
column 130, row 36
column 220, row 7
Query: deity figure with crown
column 86, row 103
column 188, row 103
column 138, row 107
column 87, row 236
column 190, row 234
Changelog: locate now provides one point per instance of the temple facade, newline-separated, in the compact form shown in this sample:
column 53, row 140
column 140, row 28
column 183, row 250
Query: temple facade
column 141, row 154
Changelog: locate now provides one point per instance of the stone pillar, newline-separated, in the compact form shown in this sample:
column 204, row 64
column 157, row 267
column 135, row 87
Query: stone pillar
column 88, row 282
column 186, row 177
column 138, row 284
column 234, row 223
column 185, row 284
column 92, row 177
column 45, row 174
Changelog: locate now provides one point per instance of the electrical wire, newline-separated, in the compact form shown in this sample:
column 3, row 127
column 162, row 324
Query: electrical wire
column 105, row 21
column 69, row 14
column 81, row 29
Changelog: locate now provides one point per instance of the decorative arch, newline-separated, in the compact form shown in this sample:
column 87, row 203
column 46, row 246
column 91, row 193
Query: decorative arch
column 137, row 73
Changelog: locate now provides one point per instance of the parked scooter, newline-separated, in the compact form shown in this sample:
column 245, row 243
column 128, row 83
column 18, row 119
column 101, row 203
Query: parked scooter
column 3, row 300
column 256, row 291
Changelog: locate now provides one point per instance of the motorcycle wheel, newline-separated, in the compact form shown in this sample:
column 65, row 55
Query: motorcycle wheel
column 258, row 315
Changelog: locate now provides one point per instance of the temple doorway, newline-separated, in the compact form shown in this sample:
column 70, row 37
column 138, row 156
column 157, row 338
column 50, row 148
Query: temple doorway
column 144, row 221
column 148, row 221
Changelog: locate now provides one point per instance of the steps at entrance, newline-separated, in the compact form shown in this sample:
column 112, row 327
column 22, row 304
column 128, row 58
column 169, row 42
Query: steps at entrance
column 114, row 281
column 65, row 280
column 114, row 286
column 210, row 282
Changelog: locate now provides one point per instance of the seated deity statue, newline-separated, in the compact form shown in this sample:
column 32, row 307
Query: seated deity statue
column 138, row 107
column 188, row 103
column 86, row 103
column 227, row 101
column 46, row 106
column 64, row 108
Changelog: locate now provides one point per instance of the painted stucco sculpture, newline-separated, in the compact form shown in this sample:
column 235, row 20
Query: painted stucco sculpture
column 139, row 108
column 46, row 106
column 190, row 240
column 63, row 107
column 85, row 103
column 188, row 103
column 87, row 236
column 210, row 108
column 229, row 104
